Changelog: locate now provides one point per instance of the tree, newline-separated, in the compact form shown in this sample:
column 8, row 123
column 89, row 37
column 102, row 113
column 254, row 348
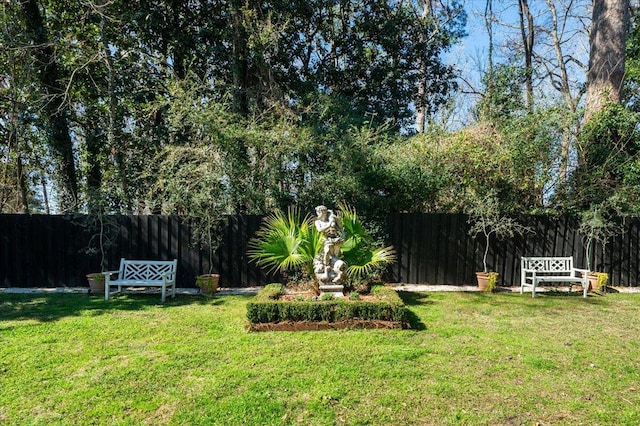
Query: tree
column 632, row 64
column 54, row 105
column 441, row 25
column 528, row 38
column 610, row 22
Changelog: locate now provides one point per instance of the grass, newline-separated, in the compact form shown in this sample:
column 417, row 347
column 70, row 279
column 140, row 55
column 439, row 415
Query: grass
column 475, row 359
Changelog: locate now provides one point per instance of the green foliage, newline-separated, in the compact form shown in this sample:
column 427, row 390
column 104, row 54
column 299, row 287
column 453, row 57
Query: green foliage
column 271, row 292
column 330, row 310
column 115, row 68
column 290, row 242
column 363, row 259
column 492, row 281
column 603, row 279
column 286, row 242
column 597, row 227
column 631, row 91
column 487, row 218
column 386, row 294
column 609, row 145
column 518, row 159
column 503, row 97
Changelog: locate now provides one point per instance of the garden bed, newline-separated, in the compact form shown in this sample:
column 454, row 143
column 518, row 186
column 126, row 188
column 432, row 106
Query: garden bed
column 324, row 325
column 275, row 310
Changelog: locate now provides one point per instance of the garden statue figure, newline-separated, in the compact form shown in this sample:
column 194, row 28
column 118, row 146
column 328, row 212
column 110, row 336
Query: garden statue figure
column 328, row 267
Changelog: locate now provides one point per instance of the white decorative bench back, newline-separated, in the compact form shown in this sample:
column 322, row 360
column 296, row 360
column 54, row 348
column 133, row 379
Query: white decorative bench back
column 548, row 264
column 148, row 270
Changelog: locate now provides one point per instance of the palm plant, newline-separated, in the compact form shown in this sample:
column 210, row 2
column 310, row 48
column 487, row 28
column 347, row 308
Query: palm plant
column 362, row 258
column 286, row 242
column 289, row 242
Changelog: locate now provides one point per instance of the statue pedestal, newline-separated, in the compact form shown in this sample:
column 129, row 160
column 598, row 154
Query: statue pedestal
column 335, row 289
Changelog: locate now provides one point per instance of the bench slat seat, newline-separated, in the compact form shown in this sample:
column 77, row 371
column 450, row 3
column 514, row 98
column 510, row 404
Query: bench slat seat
column 535, row 270
column 143, row 273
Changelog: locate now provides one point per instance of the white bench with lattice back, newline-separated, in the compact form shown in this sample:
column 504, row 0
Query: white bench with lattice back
column 143, row 273
column 536, row 270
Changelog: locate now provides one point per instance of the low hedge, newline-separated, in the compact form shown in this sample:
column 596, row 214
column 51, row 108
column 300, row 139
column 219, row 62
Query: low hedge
column 388, row 307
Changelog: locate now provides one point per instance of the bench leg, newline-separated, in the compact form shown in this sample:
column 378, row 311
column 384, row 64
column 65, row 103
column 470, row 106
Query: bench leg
column 164, row 292
column 533, row 288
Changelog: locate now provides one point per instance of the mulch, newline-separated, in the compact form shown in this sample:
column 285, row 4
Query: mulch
column 324, row 325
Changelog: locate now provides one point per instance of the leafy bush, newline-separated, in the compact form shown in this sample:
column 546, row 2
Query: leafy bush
column 389, row 307
column 271, row 292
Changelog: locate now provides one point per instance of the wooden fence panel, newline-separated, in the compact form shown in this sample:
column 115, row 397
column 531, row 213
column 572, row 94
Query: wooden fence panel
column 49, row 251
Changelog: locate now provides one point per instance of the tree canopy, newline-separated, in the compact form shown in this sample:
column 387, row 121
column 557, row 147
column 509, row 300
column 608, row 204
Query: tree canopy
column 214, row 107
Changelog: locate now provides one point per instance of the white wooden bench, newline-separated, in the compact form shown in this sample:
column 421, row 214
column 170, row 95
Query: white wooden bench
column 143, row 273
column 536, row 270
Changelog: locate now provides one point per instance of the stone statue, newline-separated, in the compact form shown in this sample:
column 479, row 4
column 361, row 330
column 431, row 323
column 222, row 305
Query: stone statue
column 328, row 266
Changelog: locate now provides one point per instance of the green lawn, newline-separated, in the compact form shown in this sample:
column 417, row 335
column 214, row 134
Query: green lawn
column 471, row 358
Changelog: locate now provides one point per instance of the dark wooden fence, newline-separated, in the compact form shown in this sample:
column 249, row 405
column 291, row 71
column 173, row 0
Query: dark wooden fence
column 49, row 251
column 437, row 249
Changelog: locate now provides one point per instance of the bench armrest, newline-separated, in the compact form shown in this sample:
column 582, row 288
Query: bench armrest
column 582, row 271
column 109, row 272
column 169, row 276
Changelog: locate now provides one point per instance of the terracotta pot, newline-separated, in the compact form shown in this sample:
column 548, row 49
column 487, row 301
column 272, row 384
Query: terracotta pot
column 483, row 280
column 96, row 283
column 592, row 278
column 208, row 283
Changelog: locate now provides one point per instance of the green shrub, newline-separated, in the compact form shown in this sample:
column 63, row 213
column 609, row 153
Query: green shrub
column 389, row 307
column 271, row 292
column 264, row 311
column 386, row 294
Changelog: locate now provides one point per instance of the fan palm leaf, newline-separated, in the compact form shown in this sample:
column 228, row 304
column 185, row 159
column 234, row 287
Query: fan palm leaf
column 284, row 242
column 369, row 261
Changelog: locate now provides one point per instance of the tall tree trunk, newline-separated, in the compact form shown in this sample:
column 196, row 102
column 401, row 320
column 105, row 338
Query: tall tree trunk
column 610, row 21
column 55, row 108
column 21, row 190
column 421, row 107
column 488, row 21
column 240, row 60
column 528, row 34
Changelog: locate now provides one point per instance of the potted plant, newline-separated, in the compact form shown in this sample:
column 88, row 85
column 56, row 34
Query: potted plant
column 206, row 229
column 103, row 230
column 596, row 227
column 208, row 283
column 96, row 282
column 487, row 219
column 191, row 183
